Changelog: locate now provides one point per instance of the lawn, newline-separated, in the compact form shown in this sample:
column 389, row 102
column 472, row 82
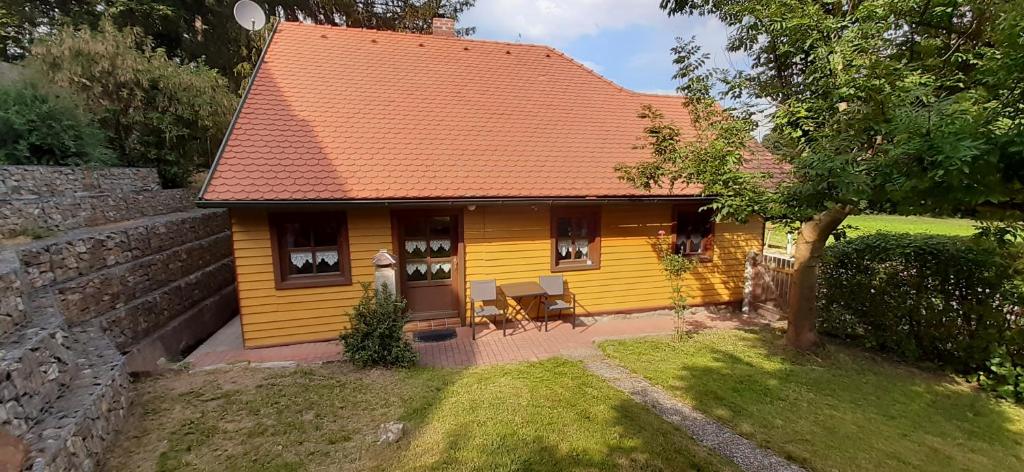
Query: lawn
column 842, row 410
column 550, row 415
column 867, row 224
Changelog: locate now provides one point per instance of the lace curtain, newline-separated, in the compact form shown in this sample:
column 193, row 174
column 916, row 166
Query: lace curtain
column 413, row 267
column 300, row 259
column 330, row 257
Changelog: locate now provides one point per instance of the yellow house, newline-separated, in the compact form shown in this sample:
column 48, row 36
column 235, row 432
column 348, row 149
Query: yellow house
column 468, row 160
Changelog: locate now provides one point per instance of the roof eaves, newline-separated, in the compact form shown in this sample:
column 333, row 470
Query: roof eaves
column 450, row 201
column 238, row 111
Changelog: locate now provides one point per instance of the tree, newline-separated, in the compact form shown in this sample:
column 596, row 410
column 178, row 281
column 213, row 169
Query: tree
column 158, row 112
column 205, row 30
column 46, row 127
column 905, row 106
column 22, row 21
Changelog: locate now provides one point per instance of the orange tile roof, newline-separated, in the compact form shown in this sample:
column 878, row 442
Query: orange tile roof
column 351, row 114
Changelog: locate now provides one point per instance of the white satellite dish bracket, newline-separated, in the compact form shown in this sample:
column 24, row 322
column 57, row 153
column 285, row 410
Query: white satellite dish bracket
column 250, row 15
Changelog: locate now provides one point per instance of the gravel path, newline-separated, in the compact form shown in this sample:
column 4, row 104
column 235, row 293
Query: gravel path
column 706, row 431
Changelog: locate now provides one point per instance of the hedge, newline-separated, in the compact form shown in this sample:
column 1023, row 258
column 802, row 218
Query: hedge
column 46, row 126
column 941, row 299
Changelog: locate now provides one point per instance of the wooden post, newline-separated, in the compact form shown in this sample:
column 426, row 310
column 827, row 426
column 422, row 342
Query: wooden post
column 748, row 281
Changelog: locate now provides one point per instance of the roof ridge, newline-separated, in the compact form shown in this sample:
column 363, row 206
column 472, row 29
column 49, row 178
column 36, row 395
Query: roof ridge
column 662, row 95
column 587, row 69
column 411, row 34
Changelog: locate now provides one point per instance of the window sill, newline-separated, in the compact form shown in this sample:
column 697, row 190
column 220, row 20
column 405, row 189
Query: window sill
column 312, row 282
column 699, row 258
column 573, row 268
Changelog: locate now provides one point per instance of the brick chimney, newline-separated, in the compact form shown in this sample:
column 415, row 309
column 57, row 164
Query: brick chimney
column 443, row 27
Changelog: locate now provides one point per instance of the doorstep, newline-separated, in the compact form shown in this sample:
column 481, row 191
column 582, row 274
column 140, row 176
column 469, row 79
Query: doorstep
column 428, row 325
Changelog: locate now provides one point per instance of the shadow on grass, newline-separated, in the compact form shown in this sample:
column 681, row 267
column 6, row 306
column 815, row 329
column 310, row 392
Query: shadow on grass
column 546, row 416
column 837, row 410
column 551, row 415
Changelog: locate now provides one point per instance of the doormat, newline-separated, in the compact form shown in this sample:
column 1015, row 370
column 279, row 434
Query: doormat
column 434, row 336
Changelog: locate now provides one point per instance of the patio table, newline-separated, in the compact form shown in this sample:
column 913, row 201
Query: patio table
column 520, row 291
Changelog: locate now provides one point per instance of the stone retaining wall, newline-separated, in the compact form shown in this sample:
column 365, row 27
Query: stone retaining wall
column 52, row 214
column 12, row 294
column 80, row 253
column 36, row 370
column 83, row 308
column 96, row 294
column 72, row 432
column 20, row 182
column 131, row 324
column 39, row 200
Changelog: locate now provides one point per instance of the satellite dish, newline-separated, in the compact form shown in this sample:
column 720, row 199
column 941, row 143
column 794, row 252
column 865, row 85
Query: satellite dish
column 250, row 15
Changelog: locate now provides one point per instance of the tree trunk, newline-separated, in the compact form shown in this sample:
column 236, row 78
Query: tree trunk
column 801, row 332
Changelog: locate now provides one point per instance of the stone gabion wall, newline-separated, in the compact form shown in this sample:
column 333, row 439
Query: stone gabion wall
column 53, row 214
column 60, row 260
column 24, row 182
column 35, row 371
column 39, row 199
column 12, row 294
column 134, row 274
column 72, row 434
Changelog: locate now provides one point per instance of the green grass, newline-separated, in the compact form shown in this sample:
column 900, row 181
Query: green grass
column 550, row 415
column 840, row 411
column 867, row 224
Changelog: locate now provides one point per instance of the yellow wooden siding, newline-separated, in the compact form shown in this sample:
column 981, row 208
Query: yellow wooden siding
column 271, row 316
column 512, row 243
column 508, row 243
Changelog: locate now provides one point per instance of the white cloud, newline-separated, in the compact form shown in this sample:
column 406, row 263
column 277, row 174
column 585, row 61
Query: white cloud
column 562, row 23
column 558, row 22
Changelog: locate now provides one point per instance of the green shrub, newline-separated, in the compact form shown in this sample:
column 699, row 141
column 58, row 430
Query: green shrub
column 1004, row 376
column 159, row 112
column 376, row 338
column 44, row 127
column 942, row 299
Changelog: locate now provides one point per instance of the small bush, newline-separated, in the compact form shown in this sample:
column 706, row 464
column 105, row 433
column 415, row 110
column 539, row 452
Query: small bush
column 942, row 299
column 1004, row 376
column 376, row 338
column 32, row 231
column 40, row 126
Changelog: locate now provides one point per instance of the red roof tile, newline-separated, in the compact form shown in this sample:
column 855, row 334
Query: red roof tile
column 352, row 114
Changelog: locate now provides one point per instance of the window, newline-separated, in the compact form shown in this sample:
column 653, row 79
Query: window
column 427, row 248
column 695, row 232
column 311, row 249
column 575, row 239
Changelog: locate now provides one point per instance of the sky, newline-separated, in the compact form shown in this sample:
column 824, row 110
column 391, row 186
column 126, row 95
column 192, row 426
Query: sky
column 627, row 41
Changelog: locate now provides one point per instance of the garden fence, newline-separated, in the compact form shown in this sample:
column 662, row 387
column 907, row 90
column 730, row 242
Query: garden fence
column 768, row 278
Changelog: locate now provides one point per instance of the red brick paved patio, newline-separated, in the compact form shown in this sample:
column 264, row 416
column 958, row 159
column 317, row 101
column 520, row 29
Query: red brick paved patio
column 526, row 343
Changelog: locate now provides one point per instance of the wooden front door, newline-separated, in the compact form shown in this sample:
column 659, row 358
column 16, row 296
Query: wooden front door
column 428, row 245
